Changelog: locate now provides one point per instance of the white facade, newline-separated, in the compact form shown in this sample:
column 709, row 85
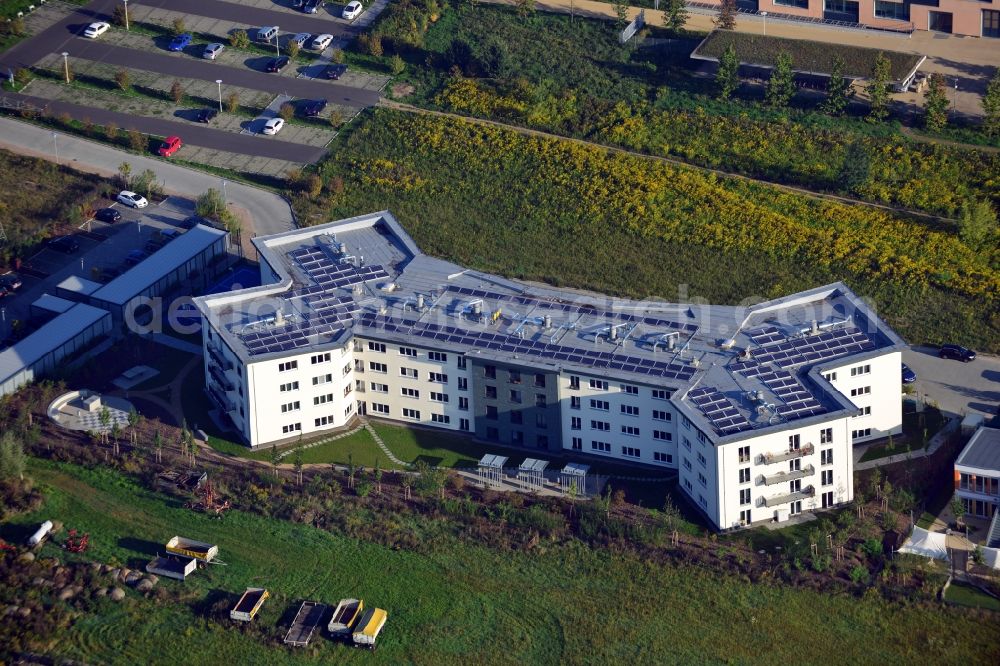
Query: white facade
column 874, row 386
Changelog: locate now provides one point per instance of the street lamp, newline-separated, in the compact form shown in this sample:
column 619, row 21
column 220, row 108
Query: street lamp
column 55, row 145
column 764, row 14
column 65, row 56
column 126, row 14
column 225, row 195
column 219, row 83
column 277, row 50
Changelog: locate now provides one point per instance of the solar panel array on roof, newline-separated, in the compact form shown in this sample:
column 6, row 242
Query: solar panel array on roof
column 814, row 348
column 719, row 410
column 798, row 402
column 514, row 345
column 765, row 334
column 571, row 308
column 329, row 274
column 331, row 320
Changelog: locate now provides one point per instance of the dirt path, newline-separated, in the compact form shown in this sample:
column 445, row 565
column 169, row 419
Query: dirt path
column 916, row 136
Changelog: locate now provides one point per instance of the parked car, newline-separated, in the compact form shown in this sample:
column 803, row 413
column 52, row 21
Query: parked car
column 352, row 10
column 297, row 4
column 64, row 244
column 135, row 256
column 152, row 246
column 322, row 41
column 10, row 281
column 95, row 30
column 5, row 292
column 908, row 375
column 267, row 33
column 132, row 199
column 313, row 109
column 300, row 39
column 206, row 115
column 312, row 6
column 170, row 146
column 109, row 215
column 957, row 352
column 335, row 71
column 194, row 220
column 273, row 126
column 277, row 64
column 212, row 51
column 180, row 42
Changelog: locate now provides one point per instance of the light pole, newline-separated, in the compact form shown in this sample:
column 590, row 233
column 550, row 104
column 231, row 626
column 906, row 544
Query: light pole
column 218, row 82
column 126, row 14
column 764, row 14
column 65, row 56
column 55, row 145
column 277, row 50
column 225, row 195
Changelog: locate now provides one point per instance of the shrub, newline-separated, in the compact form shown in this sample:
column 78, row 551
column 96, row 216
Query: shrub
column 239, row 39
column 293, row 49
column 337, row 56
column 118, row 16
column 859, row 574
column 123, row 78
column 287, row 111
column 176, row 91
column 111, row 132
column 138, row 141
column 178, row 26
column 396, row 65
column 232, row 102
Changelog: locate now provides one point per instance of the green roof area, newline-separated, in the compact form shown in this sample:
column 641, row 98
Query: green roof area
column 807, row 56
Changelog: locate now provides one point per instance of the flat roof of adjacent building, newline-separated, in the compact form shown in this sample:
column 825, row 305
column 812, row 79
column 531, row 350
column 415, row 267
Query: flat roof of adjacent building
column 983, row 450
column 48, row 338
column 52, row 303
column 158, row 265
column 79, row 285
column 366, row 276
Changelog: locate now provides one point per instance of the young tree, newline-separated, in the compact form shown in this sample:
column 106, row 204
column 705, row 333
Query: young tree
column 176, row 91
column 525, row 8
column 991, row 106
column 675, row 16
column 298, row 463
column 123, row 78
column 977, row 224
column 781, row 85
column 158, row 445
column 396, row 65
column 125, row 177
column 133, row 422
column 958, row 508
column 935, row 104
column 275, row 459
column 378, row 476
column 12, row 457
column 292, row 49
column 727, row 78
column 621, row 13
column 239, row 39
column 726, row 20
column 837, row 90
column 118, row 15
column 178, row 26
column 878, row 90
column 232, row 102
column 287, row 111
column 351, row 469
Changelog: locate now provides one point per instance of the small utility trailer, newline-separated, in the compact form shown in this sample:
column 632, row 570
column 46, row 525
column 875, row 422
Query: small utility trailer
column 306, row 620
column 367, row 629
column 199, row 550
column 172, row 567
column 248, row 605
column 344, row 617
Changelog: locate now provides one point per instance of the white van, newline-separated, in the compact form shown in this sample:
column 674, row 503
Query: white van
column 267, row 33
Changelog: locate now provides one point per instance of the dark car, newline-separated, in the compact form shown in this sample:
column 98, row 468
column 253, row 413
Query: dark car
column 335, row 71
column 193, row 221
column 908, row 375
column 312, row 6
column 135, row 256
column 957, row 352
column 180, row 42
column 64, row 244
column 313, row 109
column 10, row 281
column 206, row 115
column 109, row 215
column 277, row 64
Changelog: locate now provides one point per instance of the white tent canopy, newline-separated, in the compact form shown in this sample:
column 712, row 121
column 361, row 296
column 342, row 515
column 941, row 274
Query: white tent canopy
column 928, row 544
column 991, row 556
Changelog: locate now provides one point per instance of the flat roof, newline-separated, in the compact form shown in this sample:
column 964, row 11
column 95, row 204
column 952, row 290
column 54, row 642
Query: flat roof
column 52, row 303
column 982, row 451
column 151, row 270
column 49, row 337
column 79, row 285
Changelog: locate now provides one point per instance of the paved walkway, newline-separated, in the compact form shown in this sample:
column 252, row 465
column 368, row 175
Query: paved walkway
column 932, row 447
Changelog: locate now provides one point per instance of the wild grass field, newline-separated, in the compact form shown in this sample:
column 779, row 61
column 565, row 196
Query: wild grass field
column 452, row 602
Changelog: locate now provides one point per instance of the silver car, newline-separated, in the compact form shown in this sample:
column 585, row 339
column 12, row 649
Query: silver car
column 300, row 39
column 212, row 51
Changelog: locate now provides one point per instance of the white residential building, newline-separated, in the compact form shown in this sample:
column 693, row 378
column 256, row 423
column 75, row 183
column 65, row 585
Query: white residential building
column 757, row 408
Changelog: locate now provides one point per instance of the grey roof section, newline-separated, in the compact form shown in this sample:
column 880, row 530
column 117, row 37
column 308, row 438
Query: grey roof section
column 49, row 337
column 732, row 369
column 148, row 272
column 52, row 303
column 982, row 451
column 79, row 285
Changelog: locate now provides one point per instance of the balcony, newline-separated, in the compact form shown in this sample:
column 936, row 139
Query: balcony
column 220, row 378
column 790, row 454
column 805, row 493
column 225, row 404
column 771, row 479
column 216, row 355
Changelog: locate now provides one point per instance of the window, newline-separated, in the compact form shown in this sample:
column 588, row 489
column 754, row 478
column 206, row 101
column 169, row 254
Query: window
column 861, row 370
column 630, row 389
column 686, row 422
column 541, row 421
column 826, row 457
column 409, row 392
column 744, row 454
column 686, row 442
column 408, row 372
column 662, row 457
column 630, row 410
column 897, row 11
column 380, row 408
column 827, row 477
column 323, row 420
column 600, row 425
column 795, row 508
column 376, row 347
column 539, row 380
column 463, row 384
column 663, row 435
column 575, row 423
column 410, row 413
column 490, row 392
column 864, row 411
column 348, row 410
column 440, row 357
column 463, row 404
column 801, row 4
column 347, row 370
column 701, row 437
column 378, row 367
column 861, row 390
column 830, row 376
column 795, row 486
column 437, row 377
column 601, row 405
column 661, row 394
column 540, row 400
column 745, row 496
column 631, row 431
column 379, row 388
column 407, row 351
column 461, row 365
column 288, row 365
column 744, row 475
column 630, row 452
column 290, row 407
column 322, row 379
column 687, row 484
column 439, row 397
column 517, row 417
column 316, row 359
column 574, row 402
column 577, row 443
column 515, row 376
column 516, row 437
column 745, row 517
column 463, row 424
column 660, row 415
column 702, row 460
column 347, row 389
column 490, row 371
column 491, row 412
column 991, row 23
column 702, row 480
column 292, row 427
column 826, row 436
column 492, row 434
column 290, row 386
column 598, row 385
column 574, row 382
column 440, row 418
column 794, row 442
column 323, row 399
column 601, row 446
column 795, row 465
column 542, row 441
column 863, row 432
column 687, row 464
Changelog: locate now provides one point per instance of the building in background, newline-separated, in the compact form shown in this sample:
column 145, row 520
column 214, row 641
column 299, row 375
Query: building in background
column 977, row 473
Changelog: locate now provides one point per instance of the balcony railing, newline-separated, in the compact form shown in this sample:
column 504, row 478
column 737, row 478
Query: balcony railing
column 805, row 493
column 224, row 403
column 216, row 355
column 790, row 454
column 220, row 378
column 771, row 479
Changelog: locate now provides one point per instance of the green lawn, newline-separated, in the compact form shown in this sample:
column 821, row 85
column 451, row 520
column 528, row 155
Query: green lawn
column 458, row 603
column 359, row 448
column 967, row 595
column 883, row 450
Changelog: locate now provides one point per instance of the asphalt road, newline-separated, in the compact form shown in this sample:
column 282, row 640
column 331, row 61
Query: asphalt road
column 190, row 133
column 955, row 386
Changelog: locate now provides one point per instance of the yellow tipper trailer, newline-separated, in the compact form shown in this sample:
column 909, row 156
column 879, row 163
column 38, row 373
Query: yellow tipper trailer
column 368, row 627
column 249, row 604
column 199, row 550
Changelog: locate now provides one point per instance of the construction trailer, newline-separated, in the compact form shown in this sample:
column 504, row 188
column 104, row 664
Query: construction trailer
column 306, row 620
column 344, row 617
column 369, row 626
column 248, row 605
column 172, row 566
column 199, row 550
